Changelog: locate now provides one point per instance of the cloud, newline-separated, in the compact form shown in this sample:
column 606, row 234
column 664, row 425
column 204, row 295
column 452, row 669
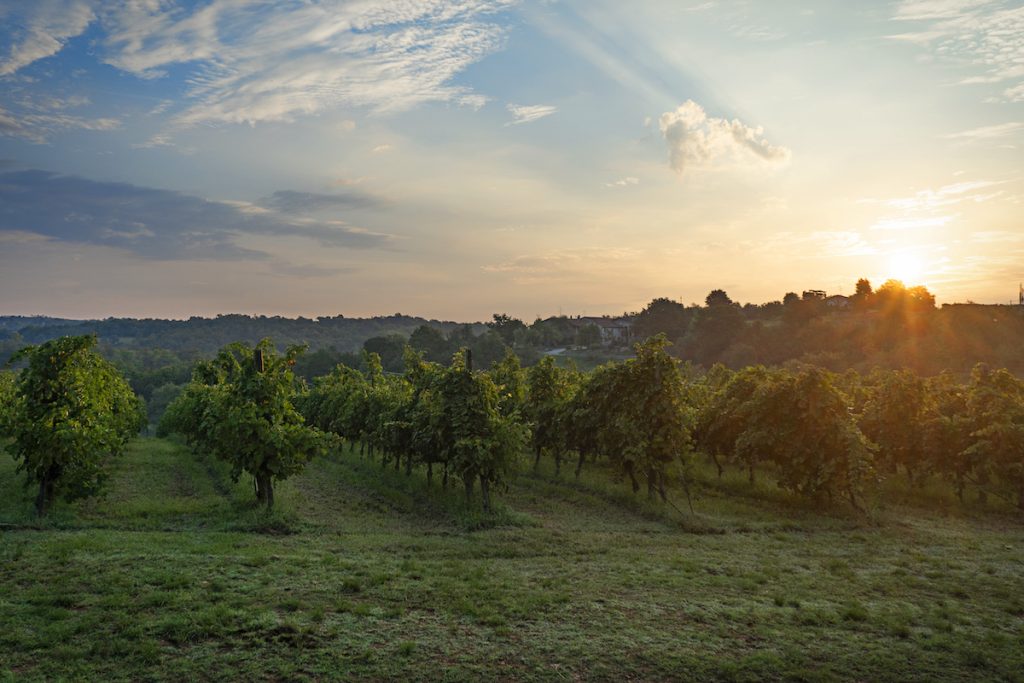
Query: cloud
column 528, row 113
column 1001, row 130
column 38, row 121
column 155, row 223
column 623, row 182
column 567, row 264
column 256, row 62
column 945, row 196
column 37, row 29
column 985, row 34
column 381, row 149
column 695, row 139
column 292, row 202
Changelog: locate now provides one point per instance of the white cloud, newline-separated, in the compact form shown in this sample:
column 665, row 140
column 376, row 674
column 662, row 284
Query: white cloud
column 947, row 195
column 695, row 139
column 255, row 62
column 381, row 149
column 623, row 182
column 987, row 35
column 37, row 120
column 36, row 29
column 528, row 113
column 988, row 132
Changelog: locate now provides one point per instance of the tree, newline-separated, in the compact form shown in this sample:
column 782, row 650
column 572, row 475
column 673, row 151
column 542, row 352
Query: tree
column 715, row 328
column 637, row 414
column 996, row 410
column 894, row 417
column 549, row 390
column 863, row 295
column 71, row 412
column 724, row 417
column 7, row 393
column 802, row 424
column 508, row 376
column 947, row 432
column 390, row 348
column 717, row 297
column 662, row 315
column 479, row 442
column 432, row 343
column 241, row 410
column 506, row 326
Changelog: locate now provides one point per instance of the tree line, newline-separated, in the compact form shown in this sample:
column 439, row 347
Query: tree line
column 646, row 420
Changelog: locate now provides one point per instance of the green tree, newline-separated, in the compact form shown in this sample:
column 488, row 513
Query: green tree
column 510, row 379
column 996, row 410
column 480, row 443
column 802, row 424
column 893, row 418
column 549, row 390
column 724, row 416
column 242, row 411
column 947, row 432
column 506, row 326
column 662, row 315
column 72, row 411
column 432, row 343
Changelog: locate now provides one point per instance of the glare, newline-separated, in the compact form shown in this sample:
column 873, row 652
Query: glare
column 907, row 267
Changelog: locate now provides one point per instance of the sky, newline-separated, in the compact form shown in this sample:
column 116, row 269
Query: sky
column 458, row 158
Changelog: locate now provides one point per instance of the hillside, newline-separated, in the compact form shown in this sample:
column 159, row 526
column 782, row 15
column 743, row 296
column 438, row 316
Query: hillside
column 206, row 335
column 364, row 575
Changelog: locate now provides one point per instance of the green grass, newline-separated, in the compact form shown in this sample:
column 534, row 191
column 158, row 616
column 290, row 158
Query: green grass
column 364, row 574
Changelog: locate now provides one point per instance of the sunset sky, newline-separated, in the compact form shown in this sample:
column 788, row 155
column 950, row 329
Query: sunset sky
column 455, row 158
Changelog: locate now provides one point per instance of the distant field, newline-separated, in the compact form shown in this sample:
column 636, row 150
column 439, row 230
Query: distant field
column 367, row 576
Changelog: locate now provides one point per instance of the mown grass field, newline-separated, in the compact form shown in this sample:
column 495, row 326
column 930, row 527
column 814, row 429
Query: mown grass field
column 367, row 575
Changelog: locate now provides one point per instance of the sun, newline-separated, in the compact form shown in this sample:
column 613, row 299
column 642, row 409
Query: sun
column 905, row 266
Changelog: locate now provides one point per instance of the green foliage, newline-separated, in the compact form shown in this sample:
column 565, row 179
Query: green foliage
column 7, row 393
column 636, row 413
column 245, row 415
column 801, row 423
column 510, row 380
column 893, row 418
column 70, row 411
column 996, row 411
column 724, row 415
column 549, row 392
column 478, row 441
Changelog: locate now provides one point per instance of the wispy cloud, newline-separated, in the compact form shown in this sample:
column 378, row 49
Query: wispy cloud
column 38, row 29
column 293, row 202
column 945, row 196
column 39, row 119
column 1000, row 130
column 523, row 113
column 694, row 139
column 255, row 62
column 624, row 182
column 985, row 34
column 566, row 263
column 161, row 224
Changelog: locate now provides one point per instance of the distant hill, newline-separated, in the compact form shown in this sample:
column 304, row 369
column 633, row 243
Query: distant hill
column 206, row 335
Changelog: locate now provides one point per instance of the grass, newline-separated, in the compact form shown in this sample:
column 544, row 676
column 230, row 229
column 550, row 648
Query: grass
column 364, row 574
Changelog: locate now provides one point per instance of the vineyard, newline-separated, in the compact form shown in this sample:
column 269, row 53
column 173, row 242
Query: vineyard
column 641, row 521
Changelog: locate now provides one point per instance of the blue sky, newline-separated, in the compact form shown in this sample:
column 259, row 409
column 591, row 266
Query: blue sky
column 454, row 158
